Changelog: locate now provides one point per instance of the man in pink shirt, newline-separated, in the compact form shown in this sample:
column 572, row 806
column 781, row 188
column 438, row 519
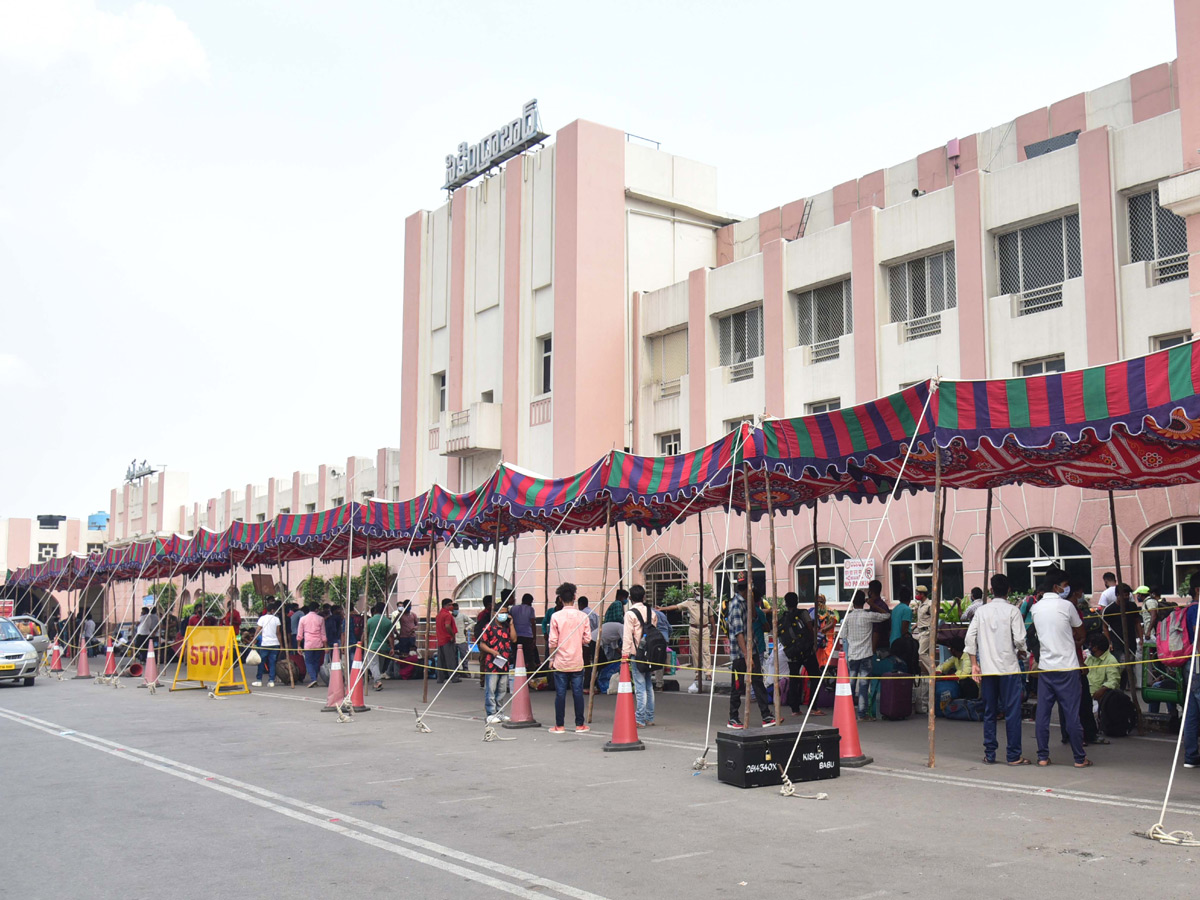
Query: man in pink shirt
column 310, row 635
column 569, row 631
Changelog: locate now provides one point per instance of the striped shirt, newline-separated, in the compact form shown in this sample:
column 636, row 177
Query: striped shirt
column 858, row 630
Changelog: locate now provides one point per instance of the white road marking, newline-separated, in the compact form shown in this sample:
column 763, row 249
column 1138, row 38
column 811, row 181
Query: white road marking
column 839, row 828
column 710, row 803
column 330, row 820
column 997, row 865
column 558, row 824
column 469, row 799
column 681, row 856
column 603, row 783
column 525, row 766
column 390, row 780
column 867, row 896
column 1095, row 859
column 329, row 765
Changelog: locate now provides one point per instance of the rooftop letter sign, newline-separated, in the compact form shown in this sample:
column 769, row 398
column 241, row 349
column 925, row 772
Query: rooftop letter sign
column 472, row 160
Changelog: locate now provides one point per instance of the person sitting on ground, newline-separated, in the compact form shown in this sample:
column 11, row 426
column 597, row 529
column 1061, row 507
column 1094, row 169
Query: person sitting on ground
column 310, row 637
column 569, row 631
column 959, row 664
column 858, row 631
column 1103, row 672
column 976, row 604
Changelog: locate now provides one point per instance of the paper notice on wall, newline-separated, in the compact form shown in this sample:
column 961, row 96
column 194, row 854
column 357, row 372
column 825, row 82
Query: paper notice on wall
column 858, row 573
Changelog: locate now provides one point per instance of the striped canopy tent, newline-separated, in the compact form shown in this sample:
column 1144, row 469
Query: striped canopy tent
column 205, row 552
column 53, row 572
column 448, row 516
column 313, row 535
column 80, row 570
column 18, row 578
column 167, row 558
column 386, row 525
column 139, row 559
column 246, row 543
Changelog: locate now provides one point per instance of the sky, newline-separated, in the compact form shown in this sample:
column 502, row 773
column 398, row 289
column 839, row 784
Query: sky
column 202, row 203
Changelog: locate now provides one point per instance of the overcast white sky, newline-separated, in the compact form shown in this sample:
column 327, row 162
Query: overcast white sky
column 202, row 203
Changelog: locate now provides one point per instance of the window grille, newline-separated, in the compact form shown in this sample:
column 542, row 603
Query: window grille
column 919, row 290
column 1159, row 236
column 669, row 444
column 669, row 356
column 740, row 336
column 47, row 551
column 546, row 369
column 742, row 371
column 825, row 314
column 1037, row 259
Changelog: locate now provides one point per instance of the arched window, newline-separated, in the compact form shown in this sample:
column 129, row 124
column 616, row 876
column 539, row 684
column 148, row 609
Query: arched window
column 661, row 573
column 471, row 592
column 913, row 566
column 832, row 562
column 1026, row 561
column 1170, row 558
column 731, row 567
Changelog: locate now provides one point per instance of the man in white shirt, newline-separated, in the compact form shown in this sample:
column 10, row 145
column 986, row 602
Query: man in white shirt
column 268, row 627
column 996, row 644
column 147, row 629
column 1109, row 594
column 89, row 632
column 1059, row 629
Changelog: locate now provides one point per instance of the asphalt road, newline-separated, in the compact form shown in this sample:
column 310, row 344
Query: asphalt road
column 117, row 793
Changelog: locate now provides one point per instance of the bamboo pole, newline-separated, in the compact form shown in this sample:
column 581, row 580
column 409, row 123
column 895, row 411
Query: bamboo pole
column 748, row 659
column 935, row 602
column 495, row 606
column 620, row 564
column 429, row 620
column 699, row 655
column 603, row 590
column 545, row 593
column 1130, row 650
column 987, row 549
column 775, row 598
column 817, row 557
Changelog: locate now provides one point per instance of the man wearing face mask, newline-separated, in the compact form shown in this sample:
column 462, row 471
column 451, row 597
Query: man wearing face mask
column 1059, row 629
column 495, row 655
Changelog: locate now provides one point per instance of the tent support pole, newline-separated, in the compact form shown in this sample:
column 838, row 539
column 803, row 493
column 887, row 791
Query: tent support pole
column 750, row 611
column 1131, row 684
column 774, row 600
column 620, row 564
column 545, row 591
column 698, row 653
column 603, row 590
column 495, row 609
column 429, row 621
column 939, row 516
column 987, row 549
column 817, row 557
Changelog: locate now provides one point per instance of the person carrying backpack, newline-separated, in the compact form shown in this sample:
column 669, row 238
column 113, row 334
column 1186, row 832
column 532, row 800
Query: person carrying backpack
column 644, row 644
column 798, row 637
column 1191, row 721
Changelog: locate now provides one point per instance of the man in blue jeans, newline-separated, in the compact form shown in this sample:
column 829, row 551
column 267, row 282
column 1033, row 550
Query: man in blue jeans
column 1059, row 629
column 268, row 650
column 996, row 644
column 860, row 653
column 569, row 631
column 638, row 616
column 1191, row 721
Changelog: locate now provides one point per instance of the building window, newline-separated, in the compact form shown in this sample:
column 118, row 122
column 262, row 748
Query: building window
column 367, row 495
column 47, row 551
column 396, row 493
column 668, row 356
column 731, row 567
column 1158, row 236
column 662, row 573
column 823, row 406
column 824, row 315
column 1037, row 259
column 833, row 562
column 912, row 567
column 1027, row 560
column 1043, row 366
column 310, row 507
column 1171, row 559
column 920, row 290
column 261, row 517
column 95, row 548
column 285, row 511
column 734, row 424
column 338, row 501
column 1166, row 341
column 740, row 336
column 546, row 364
column 669, row 444
column 438, row 406
column 487, row 397
column 470, row 593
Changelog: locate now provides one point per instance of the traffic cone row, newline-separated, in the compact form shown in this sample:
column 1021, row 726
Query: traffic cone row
column 337, row 690
column 845, row 719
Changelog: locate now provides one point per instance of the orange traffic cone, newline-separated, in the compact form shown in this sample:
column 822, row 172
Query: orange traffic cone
column 625, row 736
column 110, row 663
column 522, row 709
column 845, row 719
column 151, row 668
column 55, row 658
column 82, row 669
column 357, row 699
column 337, row 690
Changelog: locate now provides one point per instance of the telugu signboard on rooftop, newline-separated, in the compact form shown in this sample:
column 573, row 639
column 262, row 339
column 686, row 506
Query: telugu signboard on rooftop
column 504, row 143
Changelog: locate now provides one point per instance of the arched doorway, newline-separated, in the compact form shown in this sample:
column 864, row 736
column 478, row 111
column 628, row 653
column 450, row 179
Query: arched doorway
column 663, row 572
column 732, row 566
column 470, row 592
column 1026, row 561
column 912, row 565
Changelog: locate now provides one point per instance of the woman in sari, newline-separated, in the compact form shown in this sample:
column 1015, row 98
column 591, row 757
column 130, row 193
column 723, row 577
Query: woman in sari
column 826, row 621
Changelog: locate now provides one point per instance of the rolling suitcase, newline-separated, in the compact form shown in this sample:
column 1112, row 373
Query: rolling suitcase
column 895, row 696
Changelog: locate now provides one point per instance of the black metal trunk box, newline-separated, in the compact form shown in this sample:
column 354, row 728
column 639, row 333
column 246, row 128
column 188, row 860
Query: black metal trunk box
column 752, row 758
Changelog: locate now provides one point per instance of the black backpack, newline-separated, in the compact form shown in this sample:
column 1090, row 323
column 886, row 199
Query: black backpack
column 797, row 634
column 652, row 649
column 1117, row 714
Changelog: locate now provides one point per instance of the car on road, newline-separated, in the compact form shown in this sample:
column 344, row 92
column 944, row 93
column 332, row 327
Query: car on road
column 18, row 657
column 35, row 632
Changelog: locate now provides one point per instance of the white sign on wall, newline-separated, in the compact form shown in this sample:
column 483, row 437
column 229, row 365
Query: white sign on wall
column 858, row 573
column 502, row 144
